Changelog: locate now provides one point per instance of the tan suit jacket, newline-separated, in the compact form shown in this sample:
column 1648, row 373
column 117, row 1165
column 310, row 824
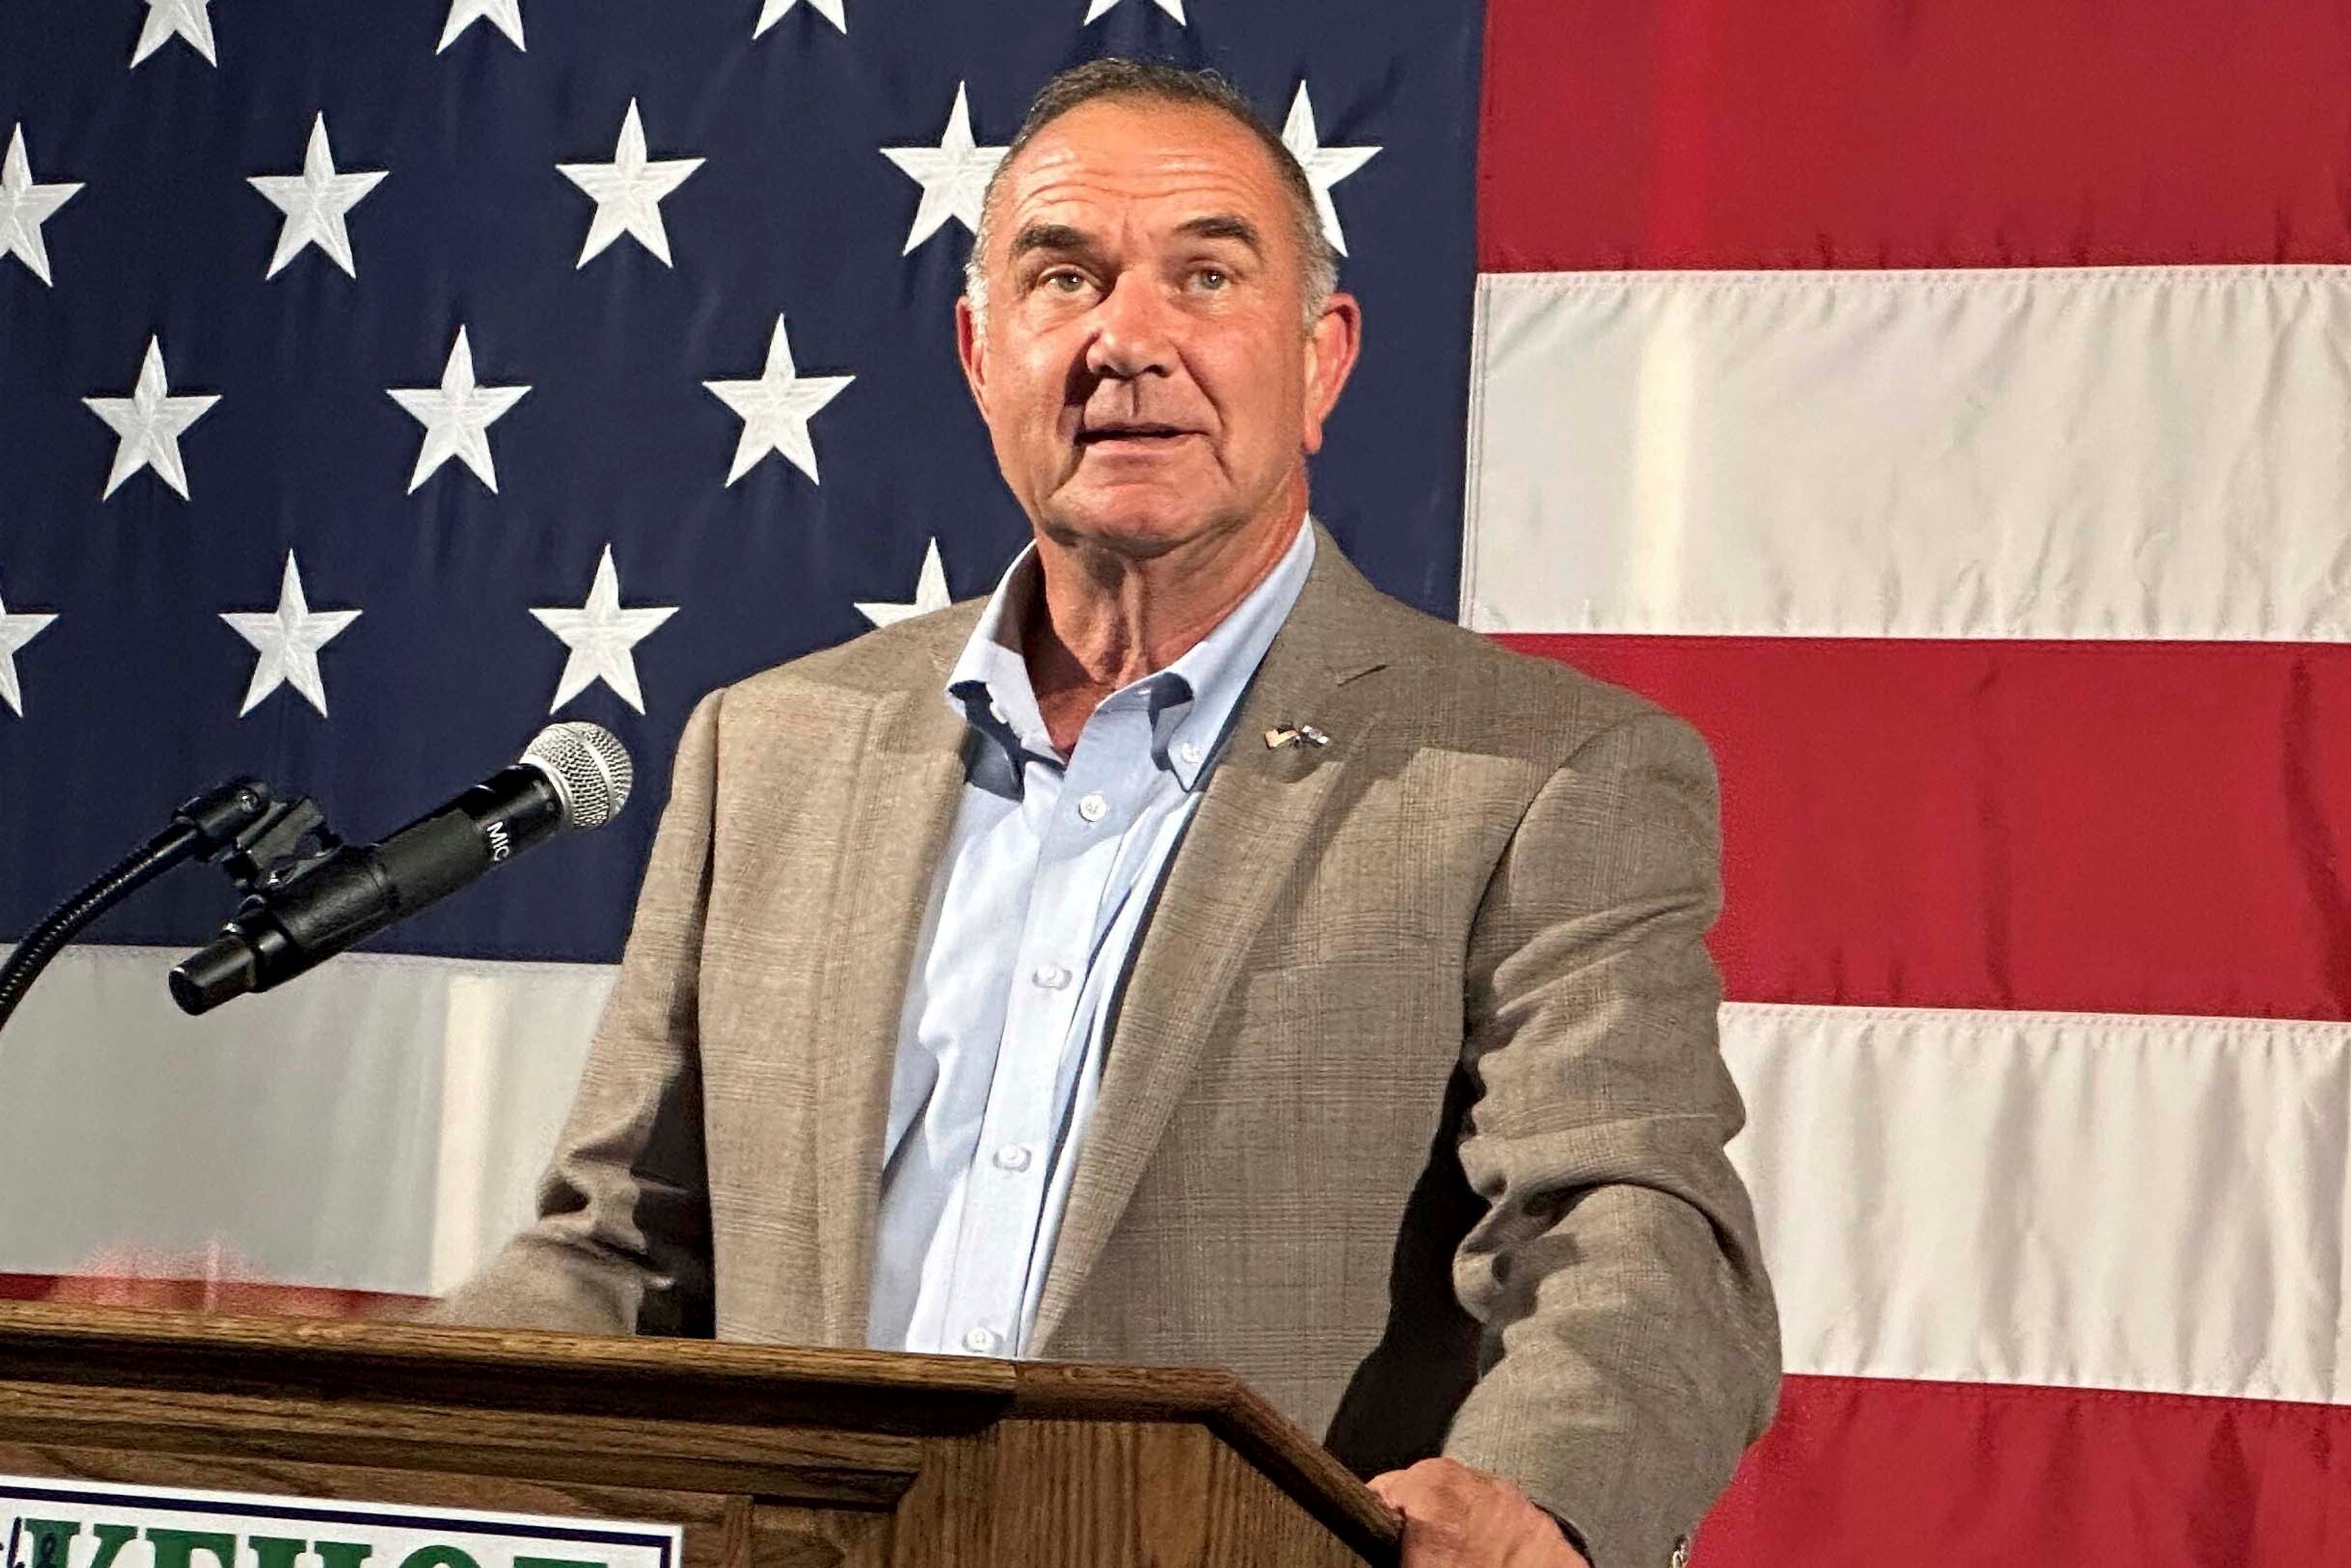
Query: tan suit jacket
column 1413, row 1113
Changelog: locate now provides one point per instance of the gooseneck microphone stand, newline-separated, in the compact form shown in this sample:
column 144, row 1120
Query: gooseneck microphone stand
column 239, row 822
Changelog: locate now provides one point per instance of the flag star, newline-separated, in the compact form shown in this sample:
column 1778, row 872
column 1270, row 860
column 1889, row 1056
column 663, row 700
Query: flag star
column 189, row 19
column 25, row 206
column 149, row 422
column 930, row 594
column 457, row 415
column 16, row 631
column 505, row 16
column 1100, row 8
column 776, row 409
column 288, row 640
column 954, row 174
column 1325, row 166
column 601, row 637
column 314, row 202
column 629, row 192
column 774, row 11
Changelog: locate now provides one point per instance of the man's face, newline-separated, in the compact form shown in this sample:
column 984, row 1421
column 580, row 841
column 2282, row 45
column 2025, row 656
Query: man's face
column 1146, row 373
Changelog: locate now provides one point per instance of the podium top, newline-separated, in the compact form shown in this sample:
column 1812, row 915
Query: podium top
column 560, row 1375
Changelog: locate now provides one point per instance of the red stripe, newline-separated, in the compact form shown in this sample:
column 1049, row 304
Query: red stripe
column 238, row 1297
column 1726, row 134
column 1861, row 1474
column 2108, row 827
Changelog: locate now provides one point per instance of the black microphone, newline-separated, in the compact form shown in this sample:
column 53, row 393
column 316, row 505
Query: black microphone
column 573, row 776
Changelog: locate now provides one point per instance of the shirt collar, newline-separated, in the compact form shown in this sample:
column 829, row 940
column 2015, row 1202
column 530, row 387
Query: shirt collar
column 1191, row 701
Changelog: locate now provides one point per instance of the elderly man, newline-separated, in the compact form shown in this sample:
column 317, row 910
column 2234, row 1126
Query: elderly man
column 1190, row 955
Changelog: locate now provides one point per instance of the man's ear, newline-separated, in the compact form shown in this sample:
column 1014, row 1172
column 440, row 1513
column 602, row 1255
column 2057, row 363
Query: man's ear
column 1331, row 347
column 971, row 353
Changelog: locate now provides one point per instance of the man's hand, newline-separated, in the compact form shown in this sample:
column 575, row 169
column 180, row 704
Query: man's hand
column 1454, row 1517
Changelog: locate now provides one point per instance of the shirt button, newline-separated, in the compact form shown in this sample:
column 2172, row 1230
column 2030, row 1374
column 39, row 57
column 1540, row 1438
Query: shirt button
column 1187, row 754
column 1052, row 977
column 979, row 1342
column 1093, row 807
column 1013, row 1156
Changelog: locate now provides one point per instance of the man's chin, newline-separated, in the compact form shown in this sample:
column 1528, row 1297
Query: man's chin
column 1132, row 525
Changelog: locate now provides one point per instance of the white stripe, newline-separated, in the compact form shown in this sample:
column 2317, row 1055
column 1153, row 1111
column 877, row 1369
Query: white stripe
column 2090, row 1200
column 513, row 1044
column 2145, row 452
column 2096, row 1200
column 375, row 1125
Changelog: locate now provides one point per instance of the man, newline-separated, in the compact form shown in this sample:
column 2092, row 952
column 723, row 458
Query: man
column 1191, row 955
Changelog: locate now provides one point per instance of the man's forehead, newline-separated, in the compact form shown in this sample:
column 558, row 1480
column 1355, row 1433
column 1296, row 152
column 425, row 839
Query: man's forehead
column 1173, row 157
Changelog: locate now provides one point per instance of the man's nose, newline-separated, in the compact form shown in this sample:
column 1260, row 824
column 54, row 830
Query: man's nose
column 1134, row 333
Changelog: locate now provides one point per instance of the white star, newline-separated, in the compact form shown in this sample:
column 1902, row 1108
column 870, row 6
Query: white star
column 149, row 422
column 457, row 415
column 24, row 207
column 930, row 594
column 1325, row 166
column 1100, row 8
column 774, row 11
column 189, row 19
column 16, row 631
column 314, row 202
column 776, row 409
column 505, row 16
column 288, row 639
column 601, row 634
column 954, row 174
column 629, row 192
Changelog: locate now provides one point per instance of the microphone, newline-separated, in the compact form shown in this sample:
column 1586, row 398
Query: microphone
column 574, row 775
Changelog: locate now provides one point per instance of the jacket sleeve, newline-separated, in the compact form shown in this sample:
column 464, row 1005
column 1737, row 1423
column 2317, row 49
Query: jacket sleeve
column 1629, row 1346
column 621, row 1244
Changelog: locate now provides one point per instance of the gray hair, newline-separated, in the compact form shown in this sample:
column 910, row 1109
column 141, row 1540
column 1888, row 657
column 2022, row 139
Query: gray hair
column 1150, row 82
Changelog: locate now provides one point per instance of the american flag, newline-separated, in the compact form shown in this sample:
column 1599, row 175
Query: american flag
column 1944, row 407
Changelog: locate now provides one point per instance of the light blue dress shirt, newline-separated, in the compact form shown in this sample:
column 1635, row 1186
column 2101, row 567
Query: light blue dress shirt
column 1033, row 918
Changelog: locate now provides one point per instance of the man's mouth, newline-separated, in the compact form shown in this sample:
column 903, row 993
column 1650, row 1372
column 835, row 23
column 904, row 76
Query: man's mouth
column 1131, row 434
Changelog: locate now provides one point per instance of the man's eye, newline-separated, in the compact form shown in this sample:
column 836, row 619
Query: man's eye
column 1064, row 282
column 1212, row 278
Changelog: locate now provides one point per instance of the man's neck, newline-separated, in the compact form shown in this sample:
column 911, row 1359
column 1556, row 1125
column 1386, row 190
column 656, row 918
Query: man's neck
column 1104, row 620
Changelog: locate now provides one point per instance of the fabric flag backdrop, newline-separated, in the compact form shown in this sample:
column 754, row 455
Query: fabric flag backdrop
column 1943, row 406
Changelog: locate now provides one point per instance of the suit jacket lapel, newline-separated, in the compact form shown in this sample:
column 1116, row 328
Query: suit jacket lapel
column 1262, row 809
column 900, row 812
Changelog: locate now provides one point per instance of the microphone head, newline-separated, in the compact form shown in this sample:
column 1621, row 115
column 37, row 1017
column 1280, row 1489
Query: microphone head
column 588, row 768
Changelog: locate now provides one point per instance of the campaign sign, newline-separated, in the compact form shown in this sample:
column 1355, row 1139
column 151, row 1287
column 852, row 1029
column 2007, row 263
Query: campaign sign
column 86, row 1525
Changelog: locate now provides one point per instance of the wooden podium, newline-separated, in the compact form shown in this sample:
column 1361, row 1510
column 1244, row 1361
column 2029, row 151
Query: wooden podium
column 765, row 1458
